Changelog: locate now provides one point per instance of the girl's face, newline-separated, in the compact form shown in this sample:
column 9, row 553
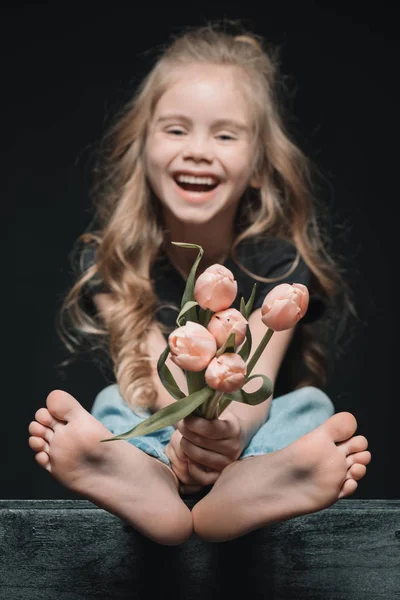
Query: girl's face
column 199, row 146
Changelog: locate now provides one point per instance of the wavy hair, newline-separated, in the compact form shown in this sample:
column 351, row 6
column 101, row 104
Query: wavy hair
column 129, row 231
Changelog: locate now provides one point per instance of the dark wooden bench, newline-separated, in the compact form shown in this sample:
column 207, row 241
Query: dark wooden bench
column 70, row 550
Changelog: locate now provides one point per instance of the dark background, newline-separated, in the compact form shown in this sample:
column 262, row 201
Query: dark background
column 65, row 70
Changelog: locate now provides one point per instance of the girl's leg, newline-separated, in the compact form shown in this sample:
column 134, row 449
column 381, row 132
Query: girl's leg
column 291, row 416
column 116, row 476
column 111, row 409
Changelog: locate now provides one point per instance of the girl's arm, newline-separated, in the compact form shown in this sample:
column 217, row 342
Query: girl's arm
column 156, row 345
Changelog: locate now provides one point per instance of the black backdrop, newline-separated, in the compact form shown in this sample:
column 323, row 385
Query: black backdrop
column 65, row 70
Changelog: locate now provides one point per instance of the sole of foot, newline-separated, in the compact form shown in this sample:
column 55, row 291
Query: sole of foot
column 309, row 475
column 116, row 476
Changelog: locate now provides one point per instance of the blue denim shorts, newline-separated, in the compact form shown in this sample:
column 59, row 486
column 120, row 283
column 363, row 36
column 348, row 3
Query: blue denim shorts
column 290, row 417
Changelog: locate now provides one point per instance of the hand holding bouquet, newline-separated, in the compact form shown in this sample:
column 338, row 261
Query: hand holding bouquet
column 212, row 343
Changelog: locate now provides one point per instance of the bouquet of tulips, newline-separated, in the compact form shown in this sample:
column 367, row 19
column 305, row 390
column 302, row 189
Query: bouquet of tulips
column 212, row 343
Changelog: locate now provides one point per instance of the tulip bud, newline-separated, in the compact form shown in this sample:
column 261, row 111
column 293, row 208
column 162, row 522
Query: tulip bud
column 284, row 306
column 225, row 322
column 226, row 373
column 215, row 288
column 192, row 346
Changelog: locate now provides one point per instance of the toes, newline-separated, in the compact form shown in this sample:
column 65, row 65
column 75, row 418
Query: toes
column 44, row 461
column 356, row 472
column 45, row 418
column 363, row 458
column 357, row 443
column 62, row 405
column 38, row 444
column 38, row 430
column 348, row 488
column 340, row 426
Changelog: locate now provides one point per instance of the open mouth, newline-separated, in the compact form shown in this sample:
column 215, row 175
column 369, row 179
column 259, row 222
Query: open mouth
column 192, row 183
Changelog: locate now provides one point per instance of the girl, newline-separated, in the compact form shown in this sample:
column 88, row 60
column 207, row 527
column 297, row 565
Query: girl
column 201, row 155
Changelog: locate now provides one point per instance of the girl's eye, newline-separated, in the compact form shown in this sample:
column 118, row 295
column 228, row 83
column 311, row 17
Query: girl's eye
column 225, row 136
column 176, row 131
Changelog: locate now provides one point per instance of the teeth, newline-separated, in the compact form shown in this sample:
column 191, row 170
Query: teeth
column 196, row 180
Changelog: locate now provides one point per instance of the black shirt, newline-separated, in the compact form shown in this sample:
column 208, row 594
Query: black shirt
column 270, row 258
column 267, row 257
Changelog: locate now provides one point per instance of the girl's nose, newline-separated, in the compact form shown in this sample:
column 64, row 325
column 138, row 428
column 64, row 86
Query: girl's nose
column 198, row 149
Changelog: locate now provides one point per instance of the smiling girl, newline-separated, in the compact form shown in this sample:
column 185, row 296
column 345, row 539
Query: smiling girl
column 201, row 156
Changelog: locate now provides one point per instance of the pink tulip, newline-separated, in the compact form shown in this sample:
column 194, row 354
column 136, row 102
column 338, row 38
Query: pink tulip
column 215, row 288
column 284, row 306
column 225, row 322
column 192, row 346
column 226, row 373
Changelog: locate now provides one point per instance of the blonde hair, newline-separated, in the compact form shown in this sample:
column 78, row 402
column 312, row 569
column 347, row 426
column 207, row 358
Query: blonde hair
column 129, row 233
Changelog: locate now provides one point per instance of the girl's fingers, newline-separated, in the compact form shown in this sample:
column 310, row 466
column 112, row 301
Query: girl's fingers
column 176, row 464
column 208, row 458
column 213, row 444
column 215, row 429
column 220, row 436
column 179, row 451
column 179, row 467
column 205, row 477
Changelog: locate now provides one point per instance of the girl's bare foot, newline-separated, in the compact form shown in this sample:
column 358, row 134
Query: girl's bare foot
column 116, row 476
column 310, row 474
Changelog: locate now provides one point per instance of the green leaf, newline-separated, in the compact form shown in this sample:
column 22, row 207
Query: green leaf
column 188, row 306
column 188, row 293
column 229, row 345
column 205, row 315
column 243, row 307
column 195, row 380
column 249, row 305
column 253, row 398
column 167, row 379
column 245, row 350
column 259, row 350
column 167, row 416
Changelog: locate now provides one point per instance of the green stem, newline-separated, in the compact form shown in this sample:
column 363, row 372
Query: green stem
column 211, row 407
column 259, row 350
column 224, row 403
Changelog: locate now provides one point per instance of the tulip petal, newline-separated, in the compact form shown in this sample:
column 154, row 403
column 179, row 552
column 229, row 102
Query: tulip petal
column 283, row 314
column 225, row 322
column 192, row 346
column 215, row 288
column 226, row 373
column 284, row 306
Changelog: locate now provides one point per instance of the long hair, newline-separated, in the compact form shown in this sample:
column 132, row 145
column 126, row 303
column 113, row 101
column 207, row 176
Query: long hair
column 129, row 229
